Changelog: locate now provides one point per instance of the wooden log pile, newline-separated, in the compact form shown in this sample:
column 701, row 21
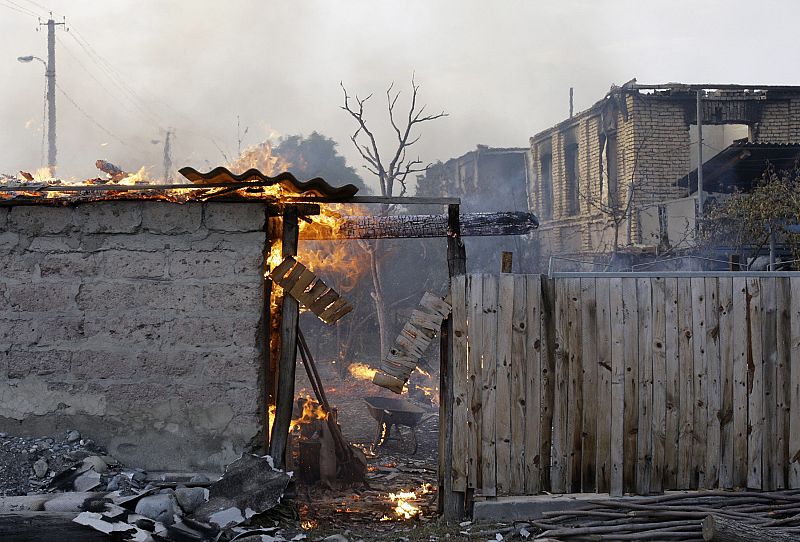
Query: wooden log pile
column 723, row 516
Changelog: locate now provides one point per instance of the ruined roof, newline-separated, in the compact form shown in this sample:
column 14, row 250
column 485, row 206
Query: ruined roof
column 682, row 91
column 740, row 165
column 316, row 186
column 219, row 184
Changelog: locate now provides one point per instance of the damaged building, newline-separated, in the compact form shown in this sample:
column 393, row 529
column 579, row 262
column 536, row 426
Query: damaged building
column 623, row 173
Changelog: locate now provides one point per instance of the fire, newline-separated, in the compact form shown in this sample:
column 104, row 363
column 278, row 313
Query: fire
column 271, row 418
column 362, row 371
column 404, row 502
column 312, row 410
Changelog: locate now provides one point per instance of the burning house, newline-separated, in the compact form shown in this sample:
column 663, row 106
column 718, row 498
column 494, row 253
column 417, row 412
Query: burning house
column 618, row 174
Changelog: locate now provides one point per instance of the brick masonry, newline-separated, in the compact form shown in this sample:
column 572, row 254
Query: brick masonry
column 652, row 131
column 136, row 323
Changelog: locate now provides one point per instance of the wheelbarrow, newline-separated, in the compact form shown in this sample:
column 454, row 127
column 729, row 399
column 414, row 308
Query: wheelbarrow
column 395, row 413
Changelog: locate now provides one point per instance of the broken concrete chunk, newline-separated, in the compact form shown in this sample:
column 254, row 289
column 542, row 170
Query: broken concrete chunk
column 40, row 468
column 161, row 507
column 251, row 483
column 95, row 462
column 336, row 538
column 96, row 522
column 73, row 436
column 190, row 498
column 87, row 480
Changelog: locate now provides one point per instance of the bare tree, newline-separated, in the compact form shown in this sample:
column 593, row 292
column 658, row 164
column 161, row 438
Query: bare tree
column 392, row 170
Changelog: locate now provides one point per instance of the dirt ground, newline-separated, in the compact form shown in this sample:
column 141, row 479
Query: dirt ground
column 368, row 511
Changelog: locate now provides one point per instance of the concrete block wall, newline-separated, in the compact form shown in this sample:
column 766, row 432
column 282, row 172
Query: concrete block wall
column 136, row 323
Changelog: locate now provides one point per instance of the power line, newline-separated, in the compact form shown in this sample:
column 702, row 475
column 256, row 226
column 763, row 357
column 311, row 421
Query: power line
column 88, row 116
column 110, row 92
column 23, row 12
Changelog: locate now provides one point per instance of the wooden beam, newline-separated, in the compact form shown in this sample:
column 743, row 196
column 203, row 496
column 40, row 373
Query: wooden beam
column 288, row 351
column 453, row 503
column 395, row 200
column 424, row 226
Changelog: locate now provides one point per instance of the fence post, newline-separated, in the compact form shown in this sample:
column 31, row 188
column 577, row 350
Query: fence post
column 452, row 503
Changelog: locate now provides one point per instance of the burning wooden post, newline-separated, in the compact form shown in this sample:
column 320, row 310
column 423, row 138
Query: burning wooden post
column 288, row 349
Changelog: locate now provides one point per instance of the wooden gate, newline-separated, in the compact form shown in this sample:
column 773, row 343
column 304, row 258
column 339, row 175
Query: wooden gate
column 627, row 383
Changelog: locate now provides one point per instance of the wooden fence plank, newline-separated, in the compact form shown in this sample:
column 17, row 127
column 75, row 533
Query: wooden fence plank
column 558, row 472
column 505, row 310
column 460, row 382
column 518, row 381
column 726, row 346
column 794, row 389
column 644, row 433
column 489, row 356
column 782, row 382
column 755, row 387
column 741, row 363
column 672, row 363
column 700, row 380
column 533, row 379
column 686, row 379
column 603, row 359
column 659, row 416
column 548, row 380
column 769, row 351
column 713, row 384
column 574, row 386
column 631, row 411
column 617, row 313
column 588, row 336
column 475, row 389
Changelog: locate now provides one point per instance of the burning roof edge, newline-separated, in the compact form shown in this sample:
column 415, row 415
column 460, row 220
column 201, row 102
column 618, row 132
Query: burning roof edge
column 317, row 185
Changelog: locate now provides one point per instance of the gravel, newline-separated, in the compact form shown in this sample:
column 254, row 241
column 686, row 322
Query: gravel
column 29, row 464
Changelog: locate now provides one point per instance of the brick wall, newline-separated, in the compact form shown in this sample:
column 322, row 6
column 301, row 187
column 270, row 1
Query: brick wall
column 136, row 323
column 653, row 153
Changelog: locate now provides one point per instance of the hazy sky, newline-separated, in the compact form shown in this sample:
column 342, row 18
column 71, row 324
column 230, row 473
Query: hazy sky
column 501, row 68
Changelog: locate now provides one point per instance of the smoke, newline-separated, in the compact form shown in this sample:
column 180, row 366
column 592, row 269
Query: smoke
column 502, row 70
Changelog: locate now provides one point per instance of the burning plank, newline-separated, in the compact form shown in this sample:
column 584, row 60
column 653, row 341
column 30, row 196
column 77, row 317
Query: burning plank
column 411, row 343
column 310, row 291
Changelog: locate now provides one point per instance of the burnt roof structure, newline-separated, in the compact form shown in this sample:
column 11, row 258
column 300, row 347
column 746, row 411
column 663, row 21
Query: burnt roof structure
column 739, row 166
column 316, row 186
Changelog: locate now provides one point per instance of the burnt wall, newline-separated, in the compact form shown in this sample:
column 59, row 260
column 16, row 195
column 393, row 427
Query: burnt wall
column 136, row 323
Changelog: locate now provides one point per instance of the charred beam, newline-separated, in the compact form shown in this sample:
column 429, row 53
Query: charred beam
column 417, row 226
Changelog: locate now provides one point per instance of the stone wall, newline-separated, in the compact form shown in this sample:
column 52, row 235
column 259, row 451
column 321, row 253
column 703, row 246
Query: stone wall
column 136, row 323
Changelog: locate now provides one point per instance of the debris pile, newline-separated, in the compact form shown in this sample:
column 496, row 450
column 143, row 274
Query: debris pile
column 229, row 509
column 65, row 462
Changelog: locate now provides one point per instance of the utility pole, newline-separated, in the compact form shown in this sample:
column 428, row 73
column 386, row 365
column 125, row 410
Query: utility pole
column 50, row 74
column 701, row 197
column 168, row 156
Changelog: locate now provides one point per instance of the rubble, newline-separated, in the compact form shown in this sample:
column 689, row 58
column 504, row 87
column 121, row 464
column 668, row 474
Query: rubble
column 31, row 465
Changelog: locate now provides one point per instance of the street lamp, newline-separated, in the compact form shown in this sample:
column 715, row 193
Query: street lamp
column 51, row 107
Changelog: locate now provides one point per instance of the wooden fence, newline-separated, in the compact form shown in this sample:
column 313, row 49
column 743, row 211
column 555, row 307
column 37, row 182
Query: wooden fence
column 625, row 384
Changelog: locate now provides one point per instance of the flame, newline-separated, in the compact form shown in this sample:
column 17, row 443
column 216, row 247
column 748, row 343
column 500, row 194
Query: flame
column 362, row 371
column 271, row 417
column 308, row 524
column 404, row 502
column 312, row 410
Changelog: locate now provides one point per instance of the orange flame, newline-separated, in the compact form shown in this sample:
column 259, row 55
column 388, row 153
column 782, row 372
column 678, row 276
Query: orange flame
column 312, row 410
column 362, row 371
